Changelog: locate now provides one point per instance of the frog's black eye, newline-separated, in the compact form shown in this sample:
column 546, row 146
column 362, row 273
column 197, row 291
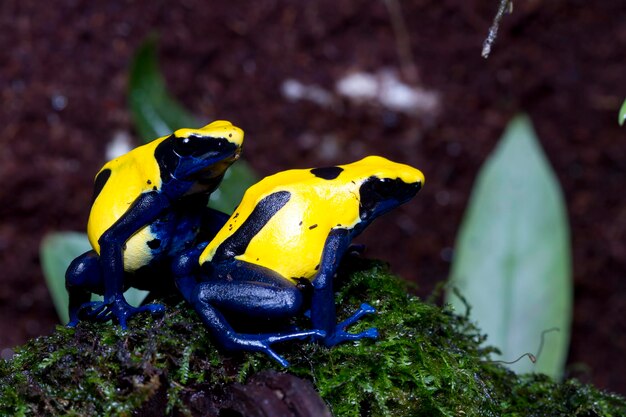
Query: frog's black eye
column 379, row 190
column 186, row 145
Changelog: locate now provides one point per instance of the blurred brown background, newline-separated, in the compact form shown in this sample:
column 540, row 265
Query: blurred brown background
column 284, row 72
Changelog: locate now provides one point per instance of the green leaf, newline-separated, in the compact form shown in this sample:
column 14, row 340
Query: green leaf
column 236, row 180
column 57, row 251
column 622, row 114
column 512, row 261
column 156, row 113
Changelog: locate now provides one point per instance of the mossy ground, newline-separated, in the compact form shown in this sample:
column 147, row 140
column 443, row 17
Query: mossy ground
column 427, row 362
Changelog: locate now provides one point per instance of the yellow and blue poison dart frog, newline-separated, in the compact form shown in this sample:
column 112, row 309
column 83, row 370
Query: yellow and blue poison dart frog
column 291, row 228
column 149, row 205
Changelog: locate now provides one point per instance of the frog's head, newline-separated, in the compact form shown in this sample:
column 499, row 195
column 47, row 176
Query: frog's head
column 385, row 185
column 200, row 155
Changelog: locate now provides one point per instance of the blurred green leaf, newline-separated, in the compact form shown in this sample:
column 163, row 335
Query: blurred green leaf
column 236, row 181
column 512, row 261
column 156, row 113
column 57, row 251
column 622, row 114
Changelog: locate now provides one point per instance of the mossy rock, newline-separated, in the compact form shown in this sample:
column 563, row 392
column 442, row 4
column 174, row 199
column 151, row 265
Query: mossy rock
column 427, row 362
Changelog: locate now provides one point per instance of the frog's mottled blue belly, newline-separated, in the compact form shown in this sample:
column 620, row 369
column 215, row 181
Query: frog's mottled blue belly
column 167, row 235
column 184, row 234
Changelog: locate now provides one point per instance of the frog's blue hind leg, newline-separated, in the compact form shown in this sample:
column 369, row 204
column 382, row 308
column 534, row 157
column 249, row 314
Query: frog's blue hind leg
column 83, row 277
column 252, row 291
column 323, row 314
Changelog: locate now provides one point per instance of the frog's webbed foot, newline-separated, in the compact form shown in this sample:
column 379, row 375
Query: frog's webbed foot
column 117, row 310
column 341, row 335
column 263, row 342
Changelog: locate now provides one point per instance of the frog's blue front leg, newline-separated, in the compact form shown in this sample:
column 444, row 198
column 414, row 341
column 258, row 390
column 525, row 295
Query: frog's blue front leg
column 323, row 314
column 144, row 209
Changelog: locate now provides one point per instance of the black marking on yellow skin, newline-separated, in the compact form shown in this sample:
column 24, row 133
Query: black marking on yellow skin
column 237, row 243
column 327, row 173
column 154, row 243
column 98, row 185
column 149, row 182
column 312, row 227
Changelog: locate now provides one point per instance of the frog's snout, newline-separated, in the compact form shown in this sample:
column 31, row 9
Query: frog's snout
column 226, row 130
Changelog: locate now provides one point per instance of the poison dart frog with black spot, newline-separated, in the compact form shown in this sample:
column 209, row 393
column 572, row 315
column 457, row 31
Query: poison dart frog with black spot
column 291, row 227
column 149, row 204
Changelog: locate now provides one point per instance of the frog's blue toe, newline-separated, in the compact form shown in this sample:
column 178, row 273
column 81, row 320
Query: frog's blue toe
column 341, row 335
column 101, row 311
column 363, row 310
column 155, row 309
column 92, row 311
column 370, row 333
column 282, row 361
column 124, row 312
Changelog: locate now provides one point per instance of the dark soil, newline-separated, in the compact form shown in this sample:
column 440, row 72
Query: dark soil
column 63, row 74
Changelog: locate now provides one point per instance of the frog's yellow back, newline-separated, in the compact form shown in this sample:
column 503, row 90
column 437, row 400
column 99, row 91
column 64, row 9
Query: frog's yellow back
column 118, row 184
column 319, row 200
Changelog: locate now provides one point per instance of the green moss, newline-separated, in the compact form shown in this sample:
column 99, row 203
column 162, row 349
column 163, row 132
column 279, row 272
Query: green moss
column 427, row 362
